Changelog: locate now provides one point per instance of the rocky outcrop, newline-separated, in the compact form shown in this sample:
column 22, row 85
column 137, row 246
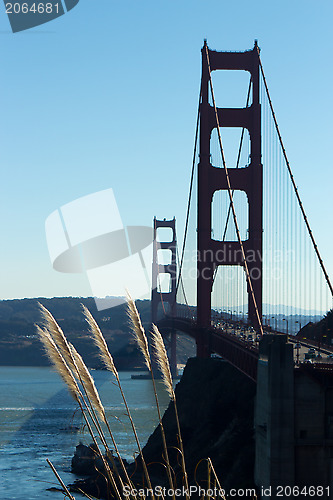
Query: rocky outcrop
column 215, row 404
column 216, row 407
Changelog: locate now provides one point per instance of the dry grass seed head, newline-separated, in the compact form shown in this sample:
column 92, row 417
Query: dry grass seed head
column 162, row 360
column 88, row 383
column 100, row 342
column 58, row 362
column 137, row 329
column 58, row 336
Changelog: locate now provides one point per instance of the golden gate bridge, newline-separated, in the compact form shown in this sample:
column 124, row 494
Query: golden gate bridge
column 249, row 273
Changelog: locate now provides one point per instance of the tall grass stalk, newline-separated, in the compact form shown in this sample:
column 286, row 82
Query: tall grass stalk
column 109, row 364
column 141, row 338
column 164, row 366
column 81, row 373
column 60, row 480
column 216, row 479
column 96, row 404
column 73, row 371
column 77, row 366
column 65, row 372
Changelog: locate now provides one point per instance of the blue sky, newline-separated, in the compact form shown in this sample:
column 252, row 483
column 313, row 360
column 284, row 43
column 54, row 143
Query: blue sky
column 106, row 96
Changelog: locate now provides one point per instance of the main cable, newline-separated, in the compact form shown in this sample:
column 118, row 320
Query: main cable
column 189, row 198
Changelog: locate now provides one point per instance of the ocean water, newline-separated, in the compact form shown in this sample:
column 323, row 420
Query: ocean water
column 39, row 420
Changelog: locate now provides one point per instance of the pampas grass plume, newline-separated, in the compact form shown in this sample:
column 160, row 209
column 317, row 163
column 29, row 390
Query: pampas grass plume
column 138, row 330
column 58, row 336
column 59, row 362
column 162, row 360
column 88, row 383
column 100, row 342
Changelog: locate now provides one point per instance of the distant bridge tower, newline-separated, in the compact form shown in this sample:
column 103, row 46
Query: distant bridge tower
column 211, row 179
column 166, row 299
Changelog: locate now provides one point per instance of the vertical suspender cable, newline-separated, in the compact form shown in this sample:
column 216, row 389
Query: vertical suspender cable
column 293, row 182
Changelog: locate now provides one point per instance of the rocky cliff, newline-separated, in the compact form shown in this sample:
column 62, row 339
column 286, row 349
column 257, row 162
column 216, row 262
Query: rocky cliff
column 215, row 404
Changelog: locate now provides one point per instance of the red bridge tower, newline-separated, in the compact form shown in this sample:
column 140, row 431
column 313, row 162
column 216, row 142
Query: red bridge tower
column 211, row 179
column 166, row 299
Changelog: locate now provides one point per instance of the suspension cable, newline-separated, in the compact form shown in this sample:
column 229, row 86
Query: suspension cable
column 189, row 198
column 182, row 282
column 293, row 181
column 231, row 198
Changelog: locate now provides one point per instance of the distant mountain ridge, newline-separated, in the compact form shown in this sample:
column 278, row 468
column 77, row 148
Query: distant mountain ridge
column 20, row 346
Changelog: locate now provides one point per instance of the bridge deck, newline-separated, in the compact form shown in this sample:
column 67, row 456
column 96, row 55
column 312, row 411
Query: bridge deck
column 242, row 351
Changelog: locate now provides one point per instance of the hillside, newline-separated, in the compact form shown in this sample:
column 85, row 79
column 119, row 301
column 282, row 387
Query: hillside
column 20, row 346
column 321, row 331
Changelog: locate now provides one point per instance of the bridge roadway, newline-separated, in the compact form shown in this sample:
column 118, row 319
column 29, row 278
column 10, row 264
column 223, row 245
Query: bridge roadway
column 241, row 347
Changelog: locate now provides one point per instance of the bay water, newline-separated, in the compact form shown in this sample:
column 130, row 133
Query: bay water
column 39, row 420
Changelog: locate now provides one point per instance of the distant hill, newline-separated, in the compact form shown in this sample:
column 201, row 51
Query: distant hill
column 20, row 346
column 321, row 331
